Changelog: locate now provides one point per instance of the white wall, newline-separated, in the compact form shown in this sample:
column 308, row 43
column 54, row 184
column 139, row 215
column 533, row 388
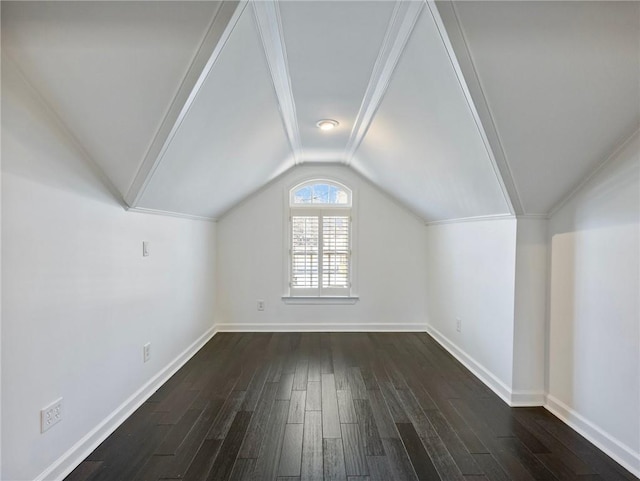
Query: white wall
column 594, row 333
column 79, row 300
column 389, row 265
column 529, row 353
column 471, row 276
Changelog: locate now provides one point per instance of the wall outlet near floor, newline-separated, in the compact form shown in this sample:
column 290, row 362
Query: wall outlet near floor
column 458, row 324
column 146, row 352
column 260, row 305
column 51, row 415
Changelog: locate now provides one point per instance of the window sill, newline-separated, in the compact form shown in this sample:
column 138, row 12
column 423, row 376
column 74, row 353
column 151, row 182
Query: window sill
column 320, row 299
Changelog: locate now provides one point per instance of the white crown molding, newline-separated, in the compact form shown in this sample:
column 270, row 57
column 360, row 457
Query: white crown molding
column 267, row 16
column 593, row 173
column 403, row 19
column 533, row 216
column 220, row 28
column 614, row 448
column 168, row 213
column 66, row 463
column 478, row 218
column 465, row 70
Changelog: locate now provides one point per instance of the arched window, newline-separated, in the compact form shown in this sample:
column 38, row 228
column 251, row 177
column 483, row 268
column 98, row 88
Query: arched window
column 320, row 239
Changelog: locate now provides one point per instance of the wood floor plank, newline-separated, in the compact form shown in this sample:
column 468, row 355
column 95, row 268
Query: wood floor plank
column 243, row 470
column 354, row 454
column 368, row 429
column 356, row 383
column 202, row 462
column 422, row 464
column 399, row 462
column 314, row 396
column 85, row 470
column 297, row 407
column 333, row 460
column 284, row 387
column 312, row 459
column 223, row 422
column 301, row 375
column 348, row 406
column 381, row 414
column 379, row 468
column 176, row 466
column 267, row 463
column 226, row 458
column 442, row 460
column 291, row 455
column 254, row 389
column 346, row 410
column 330, row 416
column 258, row 426
column 176, row 436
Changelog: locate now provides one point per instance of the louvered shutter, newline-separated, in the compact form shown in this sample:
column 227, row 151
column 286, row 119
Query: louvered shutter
column 335, row 252
column 305, row 247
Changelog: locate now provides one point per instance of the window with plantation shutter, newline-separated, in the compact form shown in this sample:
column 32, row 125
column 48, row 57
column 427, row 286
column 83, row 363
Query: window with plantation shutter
column 320, row 240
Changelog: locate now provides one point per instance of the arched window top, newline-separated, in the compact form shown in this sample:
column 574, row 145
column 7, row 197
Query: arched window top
column 320, row 192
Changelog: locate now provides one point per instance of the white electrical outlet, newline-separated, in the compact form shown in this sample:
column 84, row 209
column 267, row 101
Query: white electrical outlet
column 51, row 415
column 260, row 305
column 146, row 352
column 458, row 324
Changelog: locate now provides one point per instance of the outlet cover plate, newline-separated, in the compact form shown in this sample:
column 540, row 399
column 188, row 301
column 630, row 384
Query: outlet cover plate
column 51, row 415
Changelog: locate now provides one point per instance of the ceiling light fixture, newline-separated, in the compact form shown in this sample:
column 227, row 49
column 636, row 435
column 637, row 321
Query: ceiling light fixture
column 327, row 124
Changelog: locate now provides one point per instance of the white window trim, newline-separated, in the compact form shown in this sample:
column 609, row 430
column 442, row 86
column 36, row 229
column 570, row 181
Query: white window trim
column 351, row 297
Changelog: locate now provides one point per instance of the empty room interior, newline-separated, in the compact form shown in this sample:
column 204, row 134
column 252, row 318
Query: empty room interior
column 320, row 240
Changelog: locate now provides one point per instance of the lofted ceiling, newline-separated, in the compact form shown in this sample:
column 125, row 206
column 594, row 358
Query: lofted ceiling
column 457, row 109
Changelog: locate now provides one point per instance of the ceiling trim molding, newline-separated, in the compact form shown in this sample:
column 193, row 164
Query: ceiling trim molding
column 168, row 213
column 532, row 216
column 593, row 173
column 403, row 19
column 219, row 31
column 462, row 63
column 478, row 218
column 269, row 22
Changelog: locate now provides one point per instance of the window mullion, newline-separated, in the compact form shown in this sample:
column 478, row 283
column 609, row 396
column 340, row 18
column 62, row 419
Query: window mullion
column 320, row 253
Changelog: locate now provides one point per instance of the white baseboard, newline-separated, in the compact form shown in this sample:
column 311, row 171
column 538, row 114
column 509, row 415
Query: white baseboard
column 617, row 450
column 78, row 452
column 521, row 399
column 321, row 327
column 482, row 373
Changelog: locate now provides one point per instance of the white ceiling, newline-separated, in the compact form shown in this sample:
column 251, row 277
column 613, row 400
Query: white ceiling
column 562, row 80
column 553, row 89
column 108, row 69
column 423, row 144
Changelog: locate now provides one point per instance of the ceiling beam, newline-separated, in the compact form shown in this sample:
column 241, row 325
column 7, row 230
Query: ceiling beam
column 218, row 33
column 403, row 19
column 269, row 22
column 452, row 35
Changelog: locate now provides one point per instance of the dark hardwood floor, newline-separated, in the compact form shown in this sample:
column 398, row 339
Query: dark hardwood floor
column 347, row 406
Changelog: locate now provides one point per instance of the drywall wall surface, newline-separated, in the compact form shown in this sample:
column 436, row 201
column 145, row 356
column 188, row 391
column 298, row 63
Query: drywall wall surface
column 471, row 274
column 388, row 258
column 530, row 311
column 79, row 298
column 594, row 324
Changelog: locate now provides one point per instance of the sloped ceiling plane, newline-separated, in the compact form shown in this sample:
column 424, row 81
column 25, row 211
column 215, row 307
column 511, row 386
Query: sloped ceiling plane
column 457, row 109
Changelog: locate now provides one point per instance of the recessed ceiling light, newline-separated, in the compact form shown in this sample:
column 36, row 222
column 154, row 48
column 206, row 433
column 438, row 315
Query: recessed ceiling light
column 327, row 124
